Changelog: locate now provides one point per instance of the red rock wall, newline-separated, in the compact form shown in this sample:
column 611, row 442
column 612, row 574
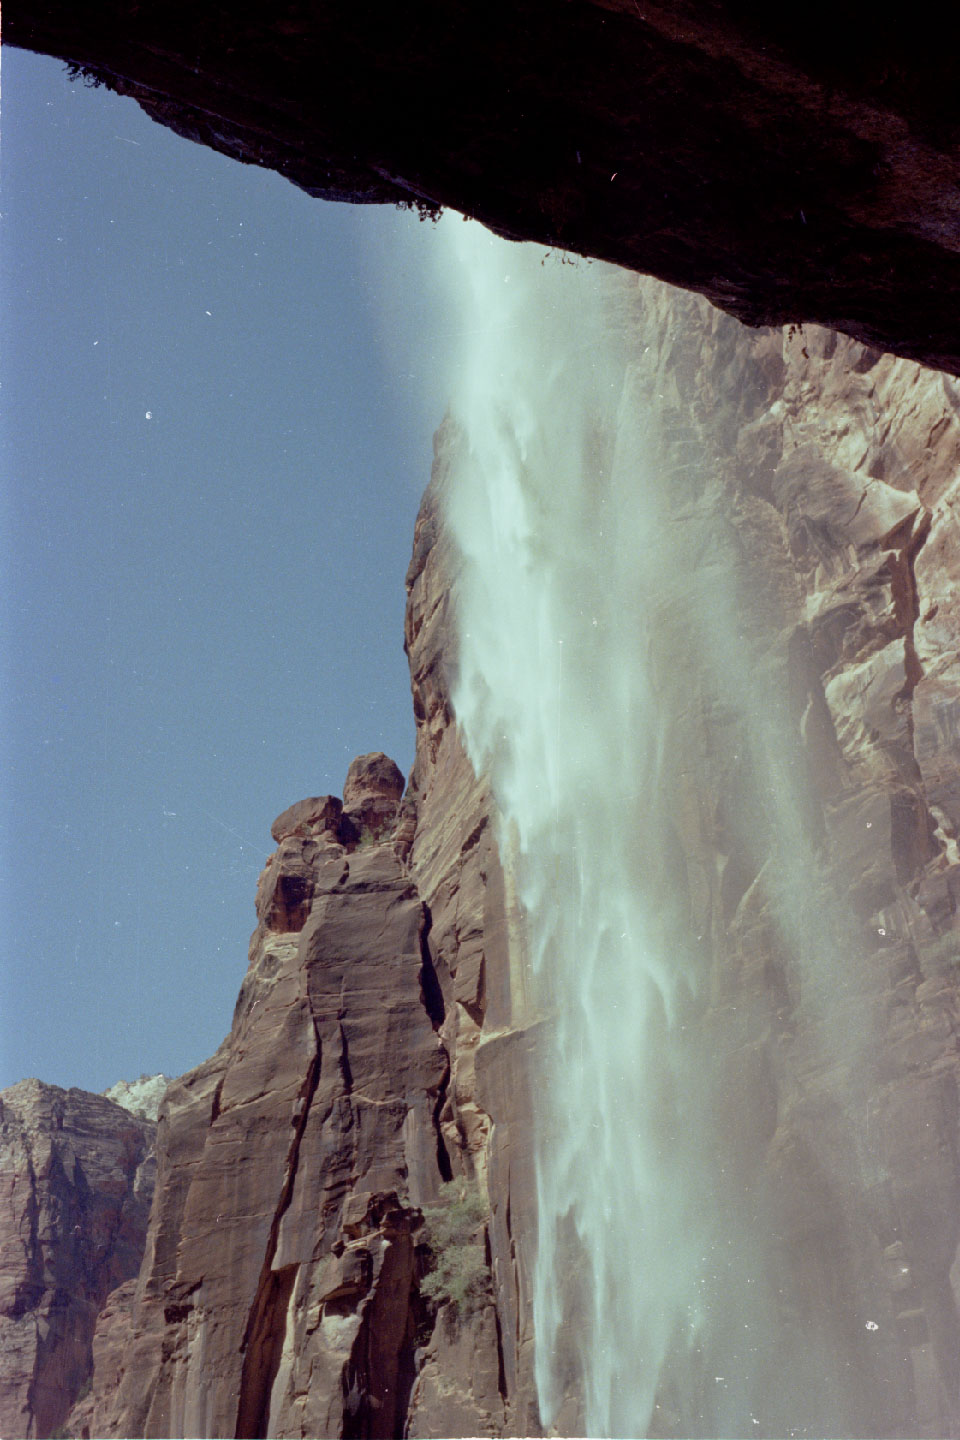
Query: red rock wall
column 76, row 1174
column 278, row 1295
column 478, row 1382
column 383, row 1037
column 821, row 477
column 377, row 1050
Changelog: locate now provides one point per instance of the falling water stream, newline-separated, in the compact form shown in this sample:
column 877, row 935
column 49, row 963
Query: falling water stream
column 555, row 510
column 651, row 1305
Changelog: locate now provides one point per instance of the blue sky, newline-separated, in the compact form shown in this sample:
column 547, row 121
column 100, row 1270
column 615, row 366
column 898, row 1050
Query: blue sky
column 218, row 402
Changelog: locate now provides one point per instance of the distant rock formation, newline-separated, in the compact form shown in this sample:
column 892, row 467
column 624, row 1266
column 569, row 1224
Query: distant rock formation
column 790, row 163
column 76, row 1176
column 141, row 1097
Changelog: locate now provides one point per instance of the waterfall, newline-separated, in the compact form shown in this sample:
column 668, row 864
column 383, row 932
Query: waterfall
column 586, row 576
column 555, row 512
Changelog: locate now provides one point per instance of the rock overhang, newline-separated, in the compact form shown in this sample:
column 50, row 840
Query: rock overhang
column 790, row 167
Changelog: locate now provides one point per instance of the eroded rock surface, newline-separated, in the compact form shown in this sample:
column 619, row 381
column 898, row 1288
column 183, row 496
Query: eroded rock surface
column 76, row 1173
column 110, row 1340
column 280, row 1290
column 823, row 477
column 790, row 164
column 371, row 795
column 376, row 1052
column 476, row 946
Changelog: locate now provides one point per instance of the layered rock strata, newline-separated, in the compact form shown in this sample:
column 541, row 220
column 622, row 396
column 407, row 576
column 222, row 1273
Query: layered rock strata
column 76, row 1172
column 788, row 164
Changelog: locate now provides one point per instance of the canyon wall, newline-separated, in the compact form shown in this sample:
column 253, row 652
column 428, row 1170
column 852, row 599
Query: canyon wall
column 803, row 666
column 789, row 165
column 820, row 479
column 280, row 1288
column 383, row 1042
column 76, row 1172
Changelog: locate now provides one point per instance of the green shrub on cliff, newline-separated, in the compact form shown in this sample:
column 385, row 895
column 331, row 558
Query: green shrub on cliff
column 458, row 1276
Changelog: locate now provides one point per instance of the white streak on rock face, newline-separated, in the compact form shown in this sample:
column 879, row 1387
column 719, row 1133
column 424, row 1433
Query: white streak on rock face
column 564, row 563
column 141, row 1097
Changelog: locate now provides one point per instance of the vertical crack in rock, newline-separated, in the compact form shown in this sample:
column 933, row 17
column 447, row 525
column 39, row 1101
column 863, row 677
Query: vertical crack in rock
column 215, row 1103
column 431, row 998
column 263, row 1337
column 912, row 827
column 378, row 1379
column 33, row 1386
column 476, row 1007
column 501, row 1365
column 431, row 994
column 345, row 1069
column 30, row 1288
column 443, row 1156
column 263, row 1352
column 901, row 564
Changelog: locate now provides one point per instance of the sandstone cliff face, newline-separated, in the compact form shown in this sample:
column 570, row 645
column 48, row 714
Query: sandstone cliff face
column 790, row 164
column 76, row 1172
column 822, row 477
column 279, row 1294
column 374, row 1055
column 479, row 1382
column 383, row 1038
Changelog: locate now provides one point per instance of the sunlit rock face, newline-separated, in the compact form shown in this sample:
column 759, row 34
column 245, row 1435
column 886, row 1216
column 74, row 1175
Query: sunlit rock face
column 378, row 1050
column 141, row 1097
column 790, row 163
column 371, row 795
column 108, row 1362
column 76, row 1173
column 279, row 1290
column 696, row 570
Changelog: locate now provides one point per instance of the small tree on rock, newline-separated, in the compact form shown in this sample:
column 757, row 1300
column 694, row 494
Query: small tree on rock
column 458, row 1276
